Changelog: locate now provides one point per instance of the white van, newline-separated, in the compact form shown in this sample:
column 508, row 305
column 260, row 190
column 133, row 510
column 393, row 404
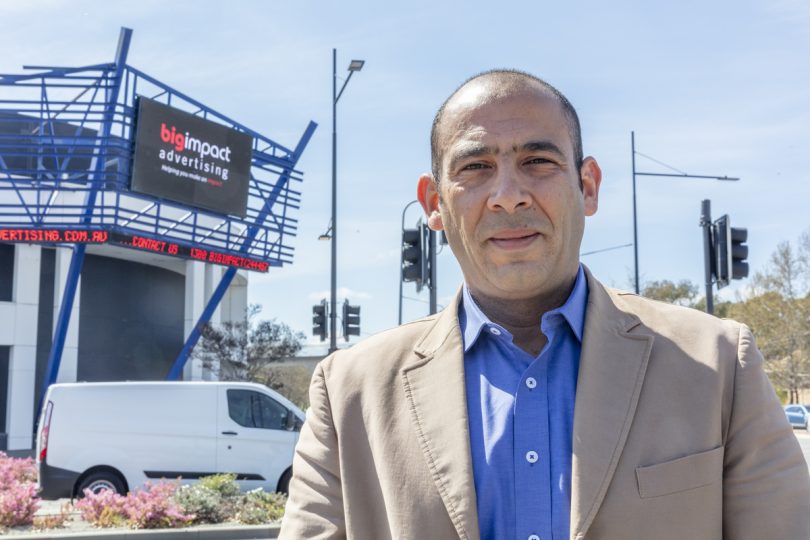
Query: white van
column 120, row 435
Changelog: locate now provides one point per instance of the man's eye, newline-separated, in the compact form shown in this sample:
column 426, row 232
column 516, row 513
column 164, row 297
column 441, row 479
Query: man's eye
column 538, row 161
column 474, row 166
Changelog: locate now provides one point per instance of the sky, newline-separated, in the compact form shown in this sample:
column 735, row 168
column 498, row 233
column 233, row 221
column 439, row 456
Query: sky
column 709, row 88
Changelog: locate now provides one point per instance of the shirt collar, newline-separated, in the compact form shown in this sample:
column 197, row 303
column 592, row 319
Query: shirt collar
column 473, row 320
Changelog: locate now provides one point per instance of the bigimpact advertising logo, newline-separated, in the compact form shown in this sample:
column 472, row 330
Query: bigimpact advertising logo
column 191, row 160
column 195, row 158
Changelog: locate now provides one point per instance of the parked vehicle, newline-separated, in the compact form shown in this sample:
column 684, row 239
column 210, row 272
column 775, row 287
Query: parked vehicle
column 120, row 435
column 798, row 415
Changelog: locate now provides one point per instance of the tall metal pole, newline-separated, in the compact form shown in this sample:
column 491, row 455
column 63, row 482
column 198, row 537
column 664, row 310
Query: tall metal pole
column 635, row 216
column 333, row 301
column 706, row 223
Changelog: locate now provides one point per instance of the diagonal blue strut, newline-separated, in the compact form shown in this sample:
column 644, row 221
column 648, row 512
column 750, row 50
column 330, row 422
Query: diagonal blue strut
column 77, row 260
column 177, row 368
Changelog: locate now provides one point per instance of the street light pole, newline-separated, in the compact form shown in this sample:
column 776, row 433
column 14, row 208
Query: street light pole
column 354, row 65
column 333, row 285
column 665, row 175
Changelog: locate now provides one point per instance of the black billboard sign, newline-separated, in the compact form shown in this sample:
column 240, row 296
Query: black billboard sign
column 190, row 160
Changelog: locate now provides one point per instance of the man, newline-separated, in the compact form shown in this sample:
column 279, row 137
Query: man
column 539, row 404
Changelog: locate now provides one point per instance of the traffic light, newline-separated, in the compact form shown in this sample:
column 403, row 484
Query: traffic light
column 351, row 320
column 319, row 319
column 414, row 255
column 730, row 251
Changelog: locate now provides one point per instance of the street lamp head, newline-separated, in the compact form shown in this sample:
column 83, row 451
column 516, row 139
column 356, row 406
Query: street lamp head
column 325, row 236
column 356, row 65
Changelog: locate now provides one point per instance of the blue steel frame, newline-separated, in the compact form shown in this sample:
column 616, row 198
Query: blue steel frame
column 72, row 170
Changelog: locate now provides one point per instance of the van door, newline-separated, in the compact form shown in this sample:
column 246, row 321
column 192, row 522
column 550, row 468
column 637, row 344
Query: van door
column 253, row 441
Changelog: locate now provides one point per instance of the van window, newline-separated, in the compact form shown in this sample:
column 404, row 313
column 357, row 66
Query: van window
column 256, row 410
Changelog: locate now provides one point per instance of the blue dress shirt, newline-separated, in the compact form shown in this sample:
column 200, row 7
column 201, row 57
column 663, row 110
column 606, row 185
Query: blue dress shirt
column 521, row 411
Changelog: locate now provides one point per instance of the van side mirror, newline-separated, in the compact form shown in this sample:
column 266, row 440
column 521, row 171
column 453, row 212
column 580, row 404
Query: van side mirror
column 292, row 423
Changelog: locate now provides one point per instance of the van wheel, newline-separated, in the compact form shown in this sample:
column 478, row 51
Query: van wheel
column 284, row 482
column 102, row 480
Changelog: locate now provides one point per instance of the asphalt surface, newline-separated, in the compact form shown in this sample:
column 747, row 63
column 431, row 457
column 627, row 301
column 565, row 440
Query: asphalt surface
column 804, row 441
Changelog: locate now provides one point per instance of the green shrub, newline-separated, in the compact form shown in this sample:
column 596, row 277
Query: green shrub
column 224, row 484
column 206, row 504
column 259, row 506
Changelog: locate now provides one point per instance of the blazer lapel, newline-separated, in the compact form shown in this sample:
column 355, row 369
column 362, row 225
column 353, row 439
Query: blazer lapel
column 435, row 389
column 611, row 372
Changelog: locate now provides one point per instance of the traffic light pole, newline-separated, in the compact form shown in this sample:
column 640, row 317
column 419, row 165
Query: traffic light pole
column 708, row 256
column 402, row 261
column 680, row 174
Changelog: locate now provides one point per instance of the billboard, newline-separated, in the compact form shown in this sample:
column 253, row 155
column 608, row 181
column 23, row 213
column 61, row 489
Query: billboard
column 190, row 160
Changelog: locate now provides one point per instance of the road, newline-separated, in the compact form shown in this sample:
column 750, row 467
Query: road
column 804, row 441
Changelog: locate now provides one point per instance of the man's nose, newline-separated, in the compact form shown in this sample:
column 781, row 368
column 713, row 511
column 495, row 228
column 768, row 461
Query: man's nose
column 507, row 191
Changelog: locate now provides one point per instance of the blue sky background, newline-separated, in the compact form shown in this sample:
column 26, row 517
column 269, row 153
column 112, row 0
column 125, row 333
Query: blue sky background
column 709, row 88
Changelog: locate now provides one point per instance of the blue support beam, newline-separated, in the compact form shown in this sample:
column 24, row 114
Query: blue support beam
column 77, row 260
column 177, row 368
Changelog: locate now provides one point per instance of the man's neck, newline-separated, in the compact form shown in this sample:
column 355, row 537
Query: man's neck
column 521, row 317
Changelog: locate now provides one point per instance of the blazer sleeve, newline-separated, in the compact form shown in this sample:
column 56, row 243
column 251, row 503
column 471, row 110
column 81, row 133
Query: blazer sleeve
column 766, row 489
column 315, row 505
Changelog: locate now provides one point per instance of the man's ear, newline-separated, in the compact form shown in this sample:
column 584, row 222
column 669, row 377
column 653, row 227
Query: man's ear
column 591, row 176
column 428, row 194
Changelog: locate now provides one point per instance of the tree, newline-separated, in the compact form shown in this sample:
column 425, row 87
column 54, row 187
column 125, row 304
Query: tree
column 243, row 350
column 683, row 293
column 778, row 312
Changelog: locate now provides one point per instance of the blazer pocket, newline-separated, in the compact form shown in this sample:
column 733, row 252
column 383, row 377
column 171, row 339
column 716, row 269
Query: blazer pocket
column 681, row 474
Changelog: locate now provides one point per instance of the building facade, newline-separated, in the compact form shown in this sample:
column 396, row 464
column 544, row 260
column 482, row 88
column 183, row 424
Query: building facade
column 130, row 319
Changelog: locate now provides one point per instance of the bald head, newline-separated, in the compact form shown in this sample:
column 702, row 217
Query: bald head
column 497, row 84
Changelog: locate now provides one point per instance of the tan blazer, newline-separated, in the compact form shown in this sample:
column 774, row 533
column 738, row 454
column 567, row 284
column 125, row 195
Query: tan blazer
column 677, row 435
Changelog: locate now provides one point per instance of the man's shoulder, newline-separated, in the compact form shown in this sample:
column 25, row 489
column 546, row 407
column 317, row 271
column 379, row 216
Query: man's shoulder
column 672, row 319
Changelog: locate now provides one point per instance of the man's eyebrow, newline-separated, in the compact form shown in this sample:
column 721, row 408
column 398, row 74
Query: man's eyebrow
column 542, row 146
column 470, row 150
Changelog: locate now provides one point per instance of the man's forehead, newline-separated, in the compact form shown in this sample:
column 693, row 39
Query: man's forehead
column 505, row 110
column 473, row 122
column 480, row 93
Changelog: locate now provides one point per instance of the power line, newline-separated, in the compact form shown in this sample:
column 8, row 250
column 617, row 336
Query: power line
column 605, row 249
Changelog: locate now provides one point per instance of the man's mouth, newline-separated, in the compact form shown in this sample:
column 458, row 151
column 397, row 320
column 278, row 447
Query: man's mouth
column 514, row 239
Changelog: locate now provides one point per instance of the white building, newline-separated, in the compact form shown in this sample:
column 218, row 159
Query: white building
column 131, row 315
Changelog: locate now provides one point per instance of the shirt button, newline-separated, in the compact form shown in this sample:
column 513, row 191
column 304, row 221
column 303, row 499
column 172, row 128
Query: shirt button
column 533, row 537
column 531, row 456
column 531, row 382
column 494, row 331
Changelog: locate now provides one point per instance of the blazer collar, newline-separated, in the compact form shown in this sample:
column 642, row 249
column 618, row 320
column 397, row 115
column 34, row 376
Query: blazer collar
column 612, row 365
column 434, row 386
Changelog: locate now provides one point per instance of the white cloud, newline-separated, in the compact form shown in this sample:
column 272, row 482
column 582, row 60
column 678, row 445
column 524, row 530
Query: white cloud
column 342, row 292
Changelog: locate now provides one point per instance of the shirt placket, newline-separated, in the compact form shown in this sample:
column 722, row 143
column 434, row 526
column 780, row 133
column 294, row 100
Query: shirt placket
column 531, row 454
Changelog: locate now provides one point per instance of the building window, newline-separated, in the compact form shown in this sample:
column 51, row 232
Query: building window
column 6, row 272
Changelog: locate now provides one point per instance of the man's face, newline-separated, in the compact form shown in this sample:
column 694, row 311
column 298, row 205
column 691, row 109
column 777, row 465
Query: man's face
column 509, row 196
